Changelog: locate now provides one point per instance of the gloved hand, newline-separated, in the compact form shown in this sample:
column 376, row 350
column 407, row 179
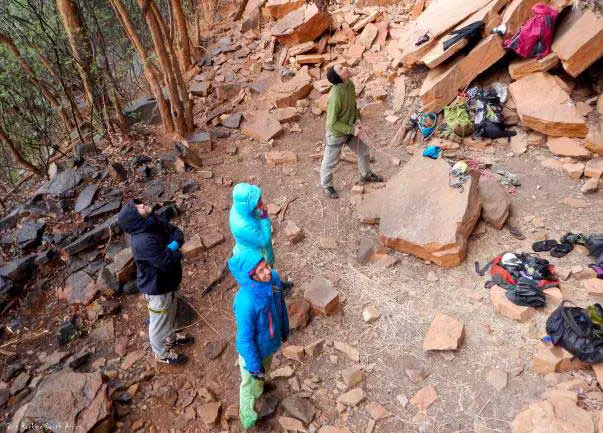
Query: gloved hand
column 173, row 246
column 258, row 375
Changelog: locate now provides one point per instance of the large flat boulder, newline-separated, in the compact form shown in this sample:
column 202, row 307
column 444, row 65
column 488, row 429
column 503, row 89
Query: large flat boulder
column 421, row 215
column 261, row 125
column 301, row 25
column 551, row 115
column 287, row 93
column 442, row 83
column 489, row 14
column 579, row 40
column 69, row 402
column 438, row 18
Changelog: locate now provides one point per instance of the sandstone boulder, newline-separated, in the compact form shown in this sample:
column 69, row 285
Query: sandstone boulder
column 445, row 333
column 321, row 295
column 79, row 289
column 594, row 168
column 565, row 146
column 522, row 67
column 279, row 8
column 421, row 215
column 301, row 25
column 299, row 313
column 288, row 93
column 77, row 402
column 261, row 126
column 506, row 308
column 558, row 413
column 440, row 87
column 553, row 359
column 496, row 202
column 579, row 40
column 424, row 398
column 594, row 139
column 551, row 115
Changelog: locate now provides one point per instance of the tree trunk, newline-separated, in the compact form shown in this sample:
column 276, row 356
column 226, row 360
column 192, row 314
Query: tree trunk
column 166, row 66
column 150, row 72
column 17, row 155
column 81, row 47
column 182, row 88
column 183, row 45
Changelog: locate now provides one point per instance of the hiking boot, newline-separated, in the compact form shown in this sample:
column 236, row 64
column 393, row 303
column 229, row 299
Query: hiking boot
column 370, row 177
column 331, row 193
column 269, row 387
column 182, row 340
column 172, row 358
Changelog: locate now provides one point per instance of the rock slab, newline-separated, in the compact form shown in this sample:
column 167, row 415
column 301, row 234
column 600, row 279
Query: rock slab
column 495, row 201
column 421, row 215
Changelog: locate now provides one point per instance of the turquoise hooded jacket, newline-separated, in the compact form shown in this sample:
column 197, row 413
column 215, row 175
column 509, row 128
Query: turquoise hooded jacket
column 249, row 231
column 260, row 312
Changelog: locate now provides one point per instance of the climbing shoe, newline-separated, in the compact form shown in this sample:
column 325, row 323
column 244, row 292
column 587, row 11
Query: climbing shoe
column 182, row 340
column 172, row 358
column 331, row 193
column 562, row 249
column 547, row 245
column 370, row 177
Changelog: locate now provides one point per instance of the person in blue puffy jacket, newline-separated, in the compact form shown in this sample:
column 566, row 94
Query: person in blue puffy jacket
column 249, row 222
column 262, row 325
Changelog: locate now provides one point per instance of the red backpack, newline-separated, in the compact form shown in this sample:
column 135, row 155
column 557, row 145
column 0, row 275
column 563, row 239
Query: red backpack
column 503, row 278
column 535, row 37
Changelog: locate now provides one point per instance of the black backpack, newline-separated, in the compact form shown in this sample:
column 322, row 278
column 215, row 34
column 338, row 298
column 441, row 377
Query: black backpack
column 595, row 247
column 526, row 293
column 572, row 329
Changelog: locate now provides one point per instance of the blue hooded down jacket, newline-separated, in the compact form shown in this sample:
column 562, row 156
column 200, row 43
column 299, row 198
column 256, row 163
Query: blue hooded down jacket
column 249, row 231
column 158, row 269
column 260, row 312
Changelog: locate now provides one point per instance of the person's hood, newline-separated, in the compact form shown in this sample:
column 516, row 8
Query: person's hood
column 130, row 220
column 245, row 198
column 242, row 264
column 543, row 9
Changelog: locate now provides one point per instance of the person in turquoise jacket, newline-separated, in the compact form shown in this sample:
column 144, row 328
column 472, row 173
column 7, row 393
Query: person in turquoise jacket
column 262, row 325
column 249, row 222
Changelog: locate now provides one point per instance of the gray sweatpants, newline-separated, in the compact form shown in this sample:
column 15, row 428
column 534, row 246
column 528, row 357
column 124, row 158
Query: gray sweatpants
column 333, row 146
column 162, row 319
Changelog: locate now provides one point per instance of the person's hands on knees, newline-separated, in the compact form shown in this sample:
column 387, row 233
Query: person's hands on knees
column 262, row 210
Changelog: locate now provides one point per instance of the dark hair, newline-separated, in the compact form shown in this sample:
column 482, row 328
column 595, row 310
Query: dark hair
column 333, row 76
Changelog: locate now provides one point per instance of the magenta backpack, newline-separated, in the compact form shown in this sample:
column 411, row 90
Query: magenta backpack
column 535, row 37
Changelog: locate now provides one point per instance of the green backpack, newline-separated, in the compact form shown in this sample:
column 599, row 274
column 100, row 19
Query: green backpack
column 458, row 121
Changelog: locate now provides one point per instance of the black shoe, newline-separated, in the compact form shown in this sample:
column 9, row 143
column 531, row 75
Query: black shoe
column 172, row 358
column 331, row 193
column 182, row 340
column 269, row 387
column 370, row 177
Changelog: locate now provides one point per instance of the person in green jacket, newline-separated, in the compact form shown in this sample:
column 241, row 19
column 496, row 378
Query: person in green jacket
column 343, row 127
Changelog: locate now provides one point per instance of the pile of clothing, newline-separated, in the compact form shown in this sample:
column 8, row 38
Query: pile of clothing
column 523, row 276
column 578, row 330
column 486, row 106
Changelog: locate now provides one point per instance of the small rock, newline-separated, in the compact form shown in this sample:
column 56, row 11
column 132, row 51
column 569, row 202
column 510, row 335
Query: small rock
column 352, row 375
column 590, row 186
column 370, row 314
column 282, row 373
column 299, row 408
column 402, row 399
column 352, row 398
column 210, row 413
column 497, row 378
column 350, row 352
column 294, row 233
column 432, row 277
column 424, row 398
column 294, row 352
column 315, row 348
column 445, row 333
column 321, row 295
column 214, row 349
column 377, row 411
column 506, row 308
column 299, row 313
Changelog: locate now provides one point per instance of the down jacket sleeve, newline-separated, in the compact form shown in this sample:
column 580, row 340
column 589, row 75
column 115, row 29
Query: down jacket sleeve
column 245, row 316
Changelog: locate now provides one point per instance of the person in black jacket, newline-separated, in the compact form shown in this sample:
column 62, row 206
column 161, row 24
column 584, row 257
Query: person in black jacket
column 155, row 247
